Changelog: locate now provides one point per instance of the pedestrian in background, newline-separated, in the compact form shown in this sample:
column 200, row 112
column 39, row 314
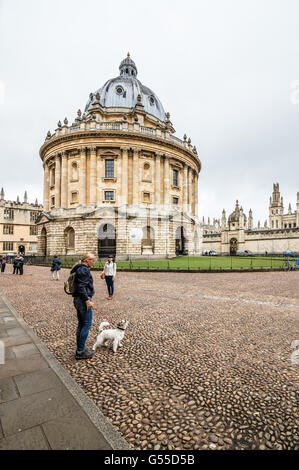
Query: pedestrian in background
column 3, row 263
column 82, row 301
column 20, row 264
column 110, row 272
column 16, row 265
column 56, row 263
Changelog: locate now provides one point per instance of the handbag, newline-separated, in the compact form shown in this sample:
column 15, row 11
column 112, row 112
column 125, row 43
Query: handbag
column 103, row 276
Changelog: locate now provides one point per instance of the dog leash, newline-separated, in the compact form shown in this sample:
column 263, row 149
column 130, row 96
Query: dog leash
column 102, row 315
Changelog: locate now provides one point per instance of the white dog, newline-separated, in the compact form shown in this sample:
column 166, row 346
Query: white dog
column 112, row 336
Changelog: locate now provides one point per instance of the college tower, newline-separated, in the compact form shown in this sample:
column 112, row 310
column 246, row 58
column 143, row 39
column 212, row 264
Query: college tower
column 237, row 232
column 117, row 180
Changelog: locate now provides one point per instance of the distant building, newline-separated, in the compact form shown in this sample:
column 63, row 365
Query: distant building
column 18, row 232
column 226, row 236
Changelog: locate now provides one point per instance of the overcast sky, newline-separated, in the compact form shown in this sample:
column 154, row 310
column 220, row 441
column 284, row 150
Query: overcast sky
column 224, row 69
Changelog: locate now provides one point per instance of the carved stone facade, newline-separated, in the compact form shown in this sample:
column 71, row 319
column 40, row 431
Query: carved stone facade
column 237, row 233
column 117, row 168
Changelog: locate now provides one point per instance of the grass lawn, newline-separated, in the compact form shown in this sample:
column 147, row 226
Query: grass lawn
column 202, row 262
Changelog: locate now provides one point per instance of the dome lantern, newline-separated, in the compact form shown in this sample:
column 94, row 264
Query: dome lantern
column 127, row 67
column 126, row 91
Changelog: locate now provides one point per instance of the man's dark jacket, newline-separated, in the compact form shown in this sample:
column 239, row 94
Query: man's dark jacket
column 84, row 282
column 56, row 264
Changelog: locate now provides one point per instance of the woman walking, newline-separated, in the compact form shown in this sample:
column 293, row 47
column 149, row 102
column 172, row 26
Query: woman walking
column 110, row 272
column 3, row 263
column 56, row 263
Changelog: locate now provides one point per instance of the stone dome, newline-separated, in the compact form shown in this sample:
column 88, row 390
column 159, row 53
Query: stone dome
column 234, row 216
column 123, row 91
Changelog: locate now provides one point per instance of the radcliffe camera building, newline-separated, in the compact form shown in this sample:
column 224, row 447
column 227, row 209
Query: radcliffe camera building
column 118, row 168
column 237, row 232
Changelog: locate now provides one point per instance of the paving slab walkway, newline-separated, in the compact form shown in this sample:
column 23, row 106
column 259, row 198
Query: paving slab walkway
column 41, row 406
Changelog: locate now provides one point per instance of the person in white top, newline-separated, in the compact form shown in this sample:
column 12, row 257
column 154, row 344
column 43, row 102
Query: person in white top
column 110, row 273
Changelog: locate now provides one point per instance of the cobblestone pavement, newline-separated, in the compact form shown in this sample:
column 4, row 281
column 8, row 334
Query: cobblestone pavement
column 205, row 363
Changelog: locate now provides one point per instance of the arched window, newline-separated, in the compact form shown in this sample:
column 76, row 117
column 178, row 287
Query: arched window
column 148, row 240
column 43, row 241
column 69, row 235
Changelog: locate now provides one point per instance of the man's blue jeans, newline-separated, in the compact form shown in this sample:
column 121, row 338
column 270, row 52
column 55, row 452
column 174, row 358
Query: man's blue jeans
column 84, row 323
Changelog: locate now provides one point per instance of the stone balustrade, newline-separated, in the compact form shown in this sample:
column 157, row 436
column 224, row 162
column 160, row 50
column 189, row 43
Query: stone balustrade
column 121, row 126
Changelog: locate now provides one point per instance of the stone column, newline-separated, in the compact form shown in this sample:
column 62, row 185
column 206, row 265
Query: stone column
column 82, row 177
column 93, row 176
column 166, row 181
column 57, row 181
column 158, row 180
column 125, row 175
column 135, row 176
column 196, row 195
column 46, row 186
column 64, row 180
column 100, row 174
column 190, row 189
column 185, row 188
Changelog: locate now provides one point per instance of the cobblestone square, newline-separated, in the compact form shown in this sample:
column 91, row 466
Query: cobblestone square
column 205, row 363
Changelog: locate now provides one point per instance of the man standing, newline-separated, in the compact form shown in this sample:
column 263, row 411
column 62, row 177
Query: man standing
column 3, row 263
column 82, row 302
column 21, row 264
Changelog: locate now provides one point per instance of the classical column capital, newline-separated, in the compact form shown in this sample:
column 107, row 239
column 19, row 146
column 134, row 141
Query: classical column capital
column 93, row 148
column 81, row 149
column 63, row 154
column 125, row 148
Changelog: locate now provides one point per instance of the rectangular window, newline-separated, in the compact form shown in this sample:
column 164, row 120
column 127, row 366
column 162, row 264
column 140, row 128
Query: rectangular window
column 7, row 246
column 146, row 197
column 109, row 195
column 175, row 201
column 109, row 168
column 33, row 216
column 8, row 214
column 33, row 247
column 53, row 201
column 52, row 177
column 8, row 229
column 33, row 230
column 74, row 197
column 175, row 178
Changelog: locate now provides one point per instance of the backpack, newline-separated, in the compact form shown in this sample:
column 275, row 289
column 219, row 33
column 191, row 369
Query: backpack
column 70, row 284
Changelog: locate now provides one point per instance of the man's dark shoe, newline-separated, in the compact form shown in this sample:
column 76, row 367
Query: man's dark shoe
column 85, row 355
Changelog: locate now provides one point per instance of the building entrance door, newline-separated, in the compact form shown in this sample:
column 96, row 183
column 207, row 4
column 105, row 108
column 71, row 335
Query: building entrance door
column 106, row 241
column 21, row 250
column 233, row 247
column 180, row 242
